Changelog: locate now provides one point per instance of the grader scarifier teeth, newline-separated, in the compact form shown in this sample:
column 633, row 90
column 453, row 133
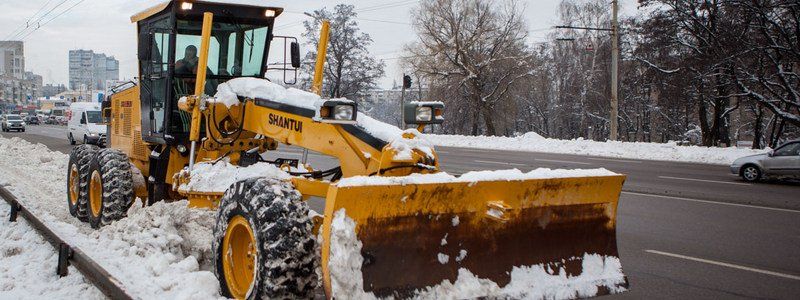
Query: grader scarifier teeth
column 499, row 224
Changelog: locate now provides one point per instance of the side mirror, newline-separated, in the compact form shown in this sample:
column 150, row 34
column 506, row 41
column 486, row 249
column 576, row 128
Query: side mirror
column 423, row 112
column 145, row 43
column 83, row 121
column 771, row 153
column 295, row 52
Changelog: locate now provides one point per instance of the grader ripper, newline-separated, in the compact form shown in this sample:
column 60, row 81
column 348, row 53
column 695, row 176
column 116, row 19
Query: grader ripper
column 263, row 243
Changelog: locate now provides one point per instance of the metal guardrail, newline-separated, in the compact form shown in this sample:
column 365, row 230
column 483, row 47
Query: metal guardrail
column 67, row 254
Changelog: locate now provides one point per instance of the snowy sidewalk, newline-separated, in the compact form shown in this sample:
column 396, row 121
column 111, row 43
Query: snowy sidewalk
column 28, row 265
column 533, row 142
column 167, row 243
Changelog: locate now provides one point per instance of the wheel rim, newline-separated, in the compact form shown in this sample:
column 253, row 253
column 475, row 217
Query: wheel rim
column 96, row 193
column 73, row 185
column 239, row 257
column 750, row 173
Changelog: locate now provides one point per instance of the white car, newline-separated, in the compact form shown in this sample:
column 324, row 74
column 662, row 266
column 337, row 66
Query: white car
column 781, row 162
column 85, row 124
column 12, row 122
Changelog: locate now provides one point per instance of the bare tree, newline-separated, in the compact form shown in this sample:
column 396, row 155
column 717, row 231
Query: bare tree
column 475, row 50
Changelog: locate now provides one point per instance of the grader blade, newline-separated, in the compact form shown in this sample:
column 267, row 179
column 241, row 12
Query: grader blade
column 415, row 236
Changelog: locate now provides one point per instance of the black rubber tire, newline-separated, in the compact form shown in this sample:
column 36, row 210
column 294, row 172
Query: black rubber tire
column 117, row 181
column 80, row 156
column 282, row 230
column 71, row 139
column 750, row 178
column 85, row 140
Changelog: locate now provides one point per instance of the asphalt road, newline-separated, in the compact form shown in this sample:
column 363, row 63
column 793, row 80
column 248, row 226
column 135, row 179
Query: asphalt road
column 685, row 231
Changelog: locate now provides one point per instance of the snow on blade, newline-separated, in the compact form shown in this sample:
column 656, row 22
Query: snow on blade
column 345, row 259
column 533, row 142
column 443, row 177
column 217, row 177
column 535, row 282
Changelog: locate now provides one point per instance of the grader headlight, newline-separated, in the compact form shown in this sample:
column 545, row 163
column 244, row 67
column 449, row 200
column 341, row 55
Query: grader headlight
column 423, row 112
column 343, row 112
column 338, row 111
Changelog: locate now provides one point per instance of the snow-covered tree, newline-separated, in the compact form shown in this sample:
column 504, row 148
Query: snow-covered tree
column 350, row 71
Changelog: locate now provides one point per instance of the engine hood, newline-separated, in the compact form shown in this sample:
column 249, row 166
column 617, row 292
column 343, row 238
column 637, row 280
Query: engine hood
column 750, row 158
column 96, row 128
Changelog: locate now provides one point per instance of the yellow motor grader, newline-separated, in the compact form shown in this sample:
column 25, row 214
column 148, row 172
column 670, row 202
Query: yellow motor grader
column 265, row 242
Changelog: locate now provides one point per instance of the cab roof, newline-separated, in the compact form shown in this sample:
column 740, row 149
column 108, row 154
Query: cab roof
column 166, row 5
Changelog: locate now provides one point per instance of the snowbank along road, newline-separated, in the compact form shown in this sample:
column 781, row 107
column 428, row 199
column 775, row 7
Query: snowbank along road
column 685, row 230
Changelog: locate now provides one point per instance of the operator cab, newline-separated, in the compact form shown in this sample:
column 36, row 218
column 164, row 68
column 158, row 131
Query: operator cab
column 169, row 46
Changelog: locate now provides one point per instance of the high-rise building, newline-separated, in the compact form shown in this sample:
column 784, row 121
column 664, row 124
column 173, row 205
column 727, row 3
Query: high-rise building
column 50, row 90
column 12, row 59
column 90, row 71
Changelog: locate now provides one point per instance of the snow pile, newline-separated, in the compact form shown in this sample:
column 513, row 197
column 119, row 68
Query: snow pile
column 218, row 176
column 533, row 142
column 28, row 265
column 167, row 244
column 474, row 176
column 228, row 93
column 535, row 282
column 345, row 259
column 527, row 282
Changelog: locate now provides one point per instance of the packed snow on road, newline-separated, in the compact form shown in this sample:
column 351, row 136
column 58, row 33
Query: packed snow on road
column 533, row 142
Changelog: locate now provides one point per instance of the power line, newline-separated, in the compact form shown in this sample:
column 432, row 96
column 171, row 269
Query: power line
column 48, row 21
column 365, row 9
column 27, row 23
column 19, row 34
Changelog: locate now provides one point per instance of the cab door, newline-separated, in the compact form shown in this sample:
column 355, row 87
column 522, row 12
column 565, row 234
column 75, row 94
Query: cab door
column 156, row 73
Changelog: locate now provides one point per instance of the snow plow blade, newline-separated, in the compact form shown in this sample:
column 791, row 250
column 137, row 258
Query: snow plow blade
column 533, row 238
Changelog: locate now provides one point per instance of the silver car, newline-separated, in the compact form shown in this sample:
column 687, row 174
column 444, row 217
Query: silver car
column 781, row 162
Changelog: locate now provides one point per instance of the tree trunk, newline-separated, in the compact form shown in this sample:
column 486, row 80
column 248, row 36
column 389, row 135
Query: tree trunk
column 708, row 135
column 487, row 120
column 757, row 130
column 475, row 119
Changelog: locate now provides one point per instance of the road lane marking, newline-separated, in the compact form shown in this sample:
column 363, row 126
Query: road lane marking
column 613, row 159
column 561, row 161
column 499, row 162
column 724, row 264
column 476, row 150
column 703, row 180
column 714, row 202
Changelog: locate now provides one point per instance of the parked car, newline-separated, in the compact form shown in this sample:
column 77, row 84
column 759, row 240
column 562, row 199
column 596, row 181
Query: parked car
column 84, row 124
column 783, row 162
column 32, row 120
column 13, row 122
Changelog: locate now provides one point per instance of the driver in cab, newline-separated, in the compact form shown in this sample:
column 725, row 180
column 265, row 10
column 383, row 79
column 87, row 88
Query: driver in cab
column 187, row 64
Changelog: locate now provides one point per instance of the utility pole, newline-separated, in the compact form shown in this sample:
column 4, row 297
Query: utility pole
column 614, row 119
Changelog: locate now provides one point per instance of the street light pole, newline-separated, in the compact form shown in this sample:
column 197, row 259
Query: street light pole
column 614, row 70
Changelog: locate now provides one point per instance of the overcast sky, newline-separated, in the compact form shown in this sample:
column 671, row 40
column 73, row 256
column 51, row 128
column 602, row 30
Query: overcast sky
column 104, row 26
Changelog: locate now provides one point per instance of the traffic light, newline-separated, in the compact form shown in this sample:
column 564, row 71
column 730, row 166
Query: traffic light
column 406, row 81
